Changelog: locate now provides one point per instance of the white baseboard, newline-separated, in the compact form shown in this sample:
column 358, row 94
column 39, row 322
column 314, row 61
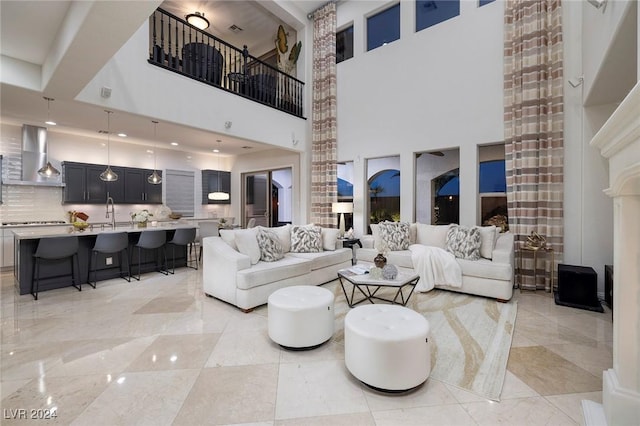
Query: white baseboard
column 593, row 413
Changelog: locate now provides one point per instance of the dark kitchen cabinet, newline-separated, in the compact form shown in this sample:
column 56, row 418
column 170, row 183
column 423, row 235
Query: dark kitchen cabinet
column 84, row 186
column 138, row 190
column 213, row 181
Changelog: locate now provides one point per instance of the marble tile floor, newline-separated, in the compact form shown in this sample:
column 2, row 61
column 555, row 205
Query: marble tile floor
column 159, row 352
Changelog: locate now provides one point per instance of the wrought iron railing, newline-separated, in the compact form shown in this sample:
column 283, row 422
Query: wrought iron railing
column 180, row 47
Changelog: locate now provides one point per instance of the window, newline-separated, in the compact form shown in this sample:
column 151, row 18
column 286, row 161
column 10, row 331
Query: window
column 437, row 187
column 383, row 179
column 344, row 44
column 492, row 186
column 383, row 27
column 429, row 13
column 179, row 191
column 483, row 2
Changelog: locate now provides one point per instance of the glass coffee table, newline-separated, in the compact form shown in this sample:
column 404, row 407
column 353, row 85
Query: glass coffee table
column 363, row 288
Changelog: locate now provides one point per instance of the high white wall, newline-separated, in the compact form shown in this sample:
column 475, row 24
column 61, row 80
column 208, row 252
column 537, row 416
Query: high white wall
column 435, row 89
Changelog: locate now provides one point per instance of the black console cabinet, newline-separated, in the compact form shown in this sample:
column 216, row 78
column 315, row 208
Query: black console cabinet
column 578, row 287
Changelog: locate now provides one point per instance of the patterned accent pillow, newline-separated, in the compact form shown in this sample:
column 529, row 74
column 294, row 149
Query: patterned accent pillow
column 395, row 235
column 306, row 239
column 270, row 246
column 464, row 242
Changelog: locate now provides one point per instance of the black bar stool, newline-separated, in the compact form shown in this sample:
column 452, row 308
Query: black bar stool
column 55, row 248
column 109, row 243
column 184, row 237
column 152, row 240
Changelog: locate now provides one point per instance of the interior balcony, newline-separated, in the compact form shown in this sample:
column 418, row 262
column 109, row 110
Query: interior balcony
column 179, row 47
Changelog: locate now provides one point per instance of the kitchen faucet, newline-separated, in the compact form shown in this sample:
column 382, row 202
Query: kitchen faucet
column 113, row 212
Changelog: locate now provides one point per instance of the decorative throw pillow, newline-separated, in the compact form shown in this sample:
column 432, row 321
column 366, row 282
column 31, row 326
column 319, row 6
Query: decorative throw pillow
column 247, row 242
column 229, row 237
column 395, row 235
column 284, row 235
column 464, row 242
column 329, row 238
column 487, row 240
column 306, row 239
column 270, row 246
column 432, row 235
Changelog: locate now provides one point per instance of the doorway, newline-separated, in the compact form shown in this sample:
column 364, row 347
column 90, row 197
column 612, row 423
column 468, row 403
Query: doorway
column 267, row 197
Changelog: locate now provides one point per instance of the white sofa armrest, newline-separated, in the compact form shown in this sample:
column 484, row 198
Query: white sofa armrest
column 367, row 241
column 504, row 249
column 220, row 265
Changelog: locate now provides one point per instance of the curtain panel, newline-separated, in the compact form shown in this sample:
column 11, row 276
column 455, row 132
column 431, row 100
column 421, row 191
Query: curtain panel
column 533, row 117
column 324, row 186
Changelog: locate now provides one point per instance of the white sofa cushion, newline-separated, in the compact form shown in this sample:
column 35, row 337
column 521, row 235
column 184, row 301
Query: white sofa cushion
column 229, row 237
column 247, row 243
column 284, row 235
column 432, row 235
column 488, row 239
column 330, row 238
column 484, row 268
column 267, row 272
column 325, row 258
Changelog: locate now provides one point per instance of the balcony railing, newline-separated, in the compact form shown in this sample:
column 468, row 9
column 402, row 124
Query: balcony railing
column 180, row 47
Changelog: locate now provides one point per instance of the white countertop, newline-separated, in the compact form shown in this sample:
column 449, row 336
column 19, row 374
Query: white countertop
column 36, row 232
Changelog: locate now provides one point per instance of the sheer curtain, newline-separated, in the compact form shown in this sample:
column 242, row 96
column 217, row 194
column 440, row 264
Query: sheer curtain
column 324, row 186
column 533, row 102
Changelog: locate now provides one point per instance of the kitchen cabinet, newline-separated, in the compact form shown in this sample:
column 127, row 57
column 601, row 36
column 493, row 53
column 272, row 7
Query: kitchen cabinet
column 213, row 181
column 84, row 186
column 138, row 190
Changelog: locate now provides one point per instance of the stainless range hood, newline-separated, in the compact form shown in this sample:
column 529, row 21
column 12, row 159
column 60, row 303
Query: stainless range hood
column 33, row 157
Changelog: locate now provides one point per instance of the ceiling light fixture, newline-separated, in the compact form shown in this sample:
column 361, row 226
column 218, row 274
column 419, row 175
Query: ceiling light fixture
column 48, row 170
column 108, row 175
column 218, row 195
column 198, row 20
column 154, row 178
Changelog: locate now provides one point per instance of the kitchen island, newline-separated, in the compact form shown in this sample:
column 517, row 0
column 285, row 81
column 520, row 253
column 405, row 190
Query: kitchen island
column 57, row 274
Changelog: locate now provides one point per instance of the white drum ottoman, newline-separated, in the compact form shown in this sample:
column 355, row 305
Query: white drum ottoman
column 300, row 317
column 386, row 347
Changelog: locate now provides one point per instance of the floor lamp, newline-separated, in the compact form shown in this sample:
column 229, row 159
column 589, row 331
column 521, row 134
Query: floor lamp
column 342, row 208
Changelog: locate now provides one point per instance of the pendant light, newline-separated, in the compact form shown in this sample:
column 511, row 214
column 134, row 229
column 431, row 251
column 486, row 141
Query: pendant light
column 154, row 178
column 48, row 170
column 109, row 175
column 218, row 195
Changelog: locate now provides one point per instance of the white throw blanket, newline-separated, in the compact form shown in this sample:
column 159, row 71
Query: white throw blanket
column 435, row 267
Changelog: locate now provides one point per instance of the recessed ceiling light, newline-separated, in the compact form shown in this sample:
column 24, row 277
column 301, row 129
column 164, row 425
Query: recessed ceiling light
column 188, row 157
column 122, row 135
column 50, row 123
column 216, row 150
column 247, row 147
column 149, row 151
column 174, row 143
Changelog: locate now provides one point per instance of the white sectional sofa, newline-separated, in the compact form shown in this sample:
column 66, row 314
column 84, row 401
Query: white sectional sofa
column 490, row 276
column 234, row 273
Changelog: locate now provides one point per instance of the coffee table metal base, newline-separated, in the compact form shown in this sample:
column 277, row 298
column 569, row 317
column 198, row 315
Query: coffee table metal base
column 369, row 289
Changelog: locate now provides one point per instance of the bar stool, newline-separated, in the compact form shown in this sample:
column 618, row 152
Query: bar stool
column 207, row 229
column 108, row 243
column 55, row 248
column 152, row 240
column 183, row 237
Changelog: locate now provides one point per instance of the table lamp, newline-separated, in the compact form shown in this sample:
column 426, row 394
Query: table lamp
column 342, row 208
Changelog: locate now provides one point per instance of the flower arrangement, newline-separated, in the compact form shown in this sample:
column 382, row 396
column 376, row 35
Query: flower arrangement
column 141, row 217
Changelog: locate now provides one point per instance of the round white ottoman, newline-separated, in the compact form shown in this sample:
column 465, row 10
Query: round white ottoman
column 386, row 347
column 300, row 317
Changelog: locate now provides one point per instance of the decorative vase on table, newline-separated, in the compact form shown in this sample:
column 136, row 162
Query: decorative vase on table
column 142, row 224
column 380, row 261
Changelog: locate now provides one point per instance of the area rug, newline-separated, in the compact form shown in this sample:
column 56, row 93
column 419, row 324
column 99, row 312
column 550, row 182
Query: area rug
column 470, row 337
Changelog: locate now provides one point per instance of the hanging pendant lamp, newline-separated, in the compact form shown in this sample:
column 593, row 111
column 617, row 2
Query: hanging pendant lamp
column 218, row 195
column 48, row 170
column 108, row 175
column 154, row 178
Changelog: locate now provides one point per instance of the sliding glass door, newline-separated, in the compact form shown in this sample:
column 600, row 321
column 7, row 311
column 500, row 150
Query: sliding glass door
column 267, row 198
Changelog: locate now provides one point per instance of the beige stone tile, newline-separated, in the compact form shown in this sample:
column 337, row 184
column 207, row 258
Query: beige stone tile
column 548, row 373
column 229, row 395
column 175, row 352
column 327, row 351
column 244, row 348
column 546, row 331
column 355, row 419
column 10, row 386
column 152, row 398
column 164, row 305
column 532, row 411
column 424, row 416
column 571, row 404
column 598, row 328
column 66, row 396
column 515, row 388
column 317, row 388
column 594, row 359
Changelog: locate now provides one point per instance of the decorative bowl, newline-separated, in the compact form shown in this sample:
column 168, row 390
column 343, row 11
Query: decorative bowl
column 175, row 216
column 80, row 226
